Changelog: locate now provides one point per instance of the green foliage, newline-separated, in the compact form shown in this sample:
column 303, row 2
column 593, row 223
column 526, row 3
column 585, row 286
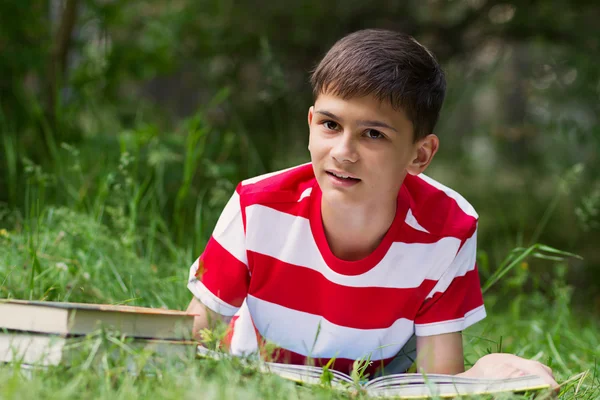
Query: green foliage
column 327, row 375
column 518, row 257
column 203, row 94
column 359, row 368
column 68, row 256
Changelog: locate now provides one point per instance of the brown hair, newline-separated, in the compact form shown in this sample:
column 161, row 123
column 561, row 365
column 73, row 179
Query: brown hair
column 389, row 65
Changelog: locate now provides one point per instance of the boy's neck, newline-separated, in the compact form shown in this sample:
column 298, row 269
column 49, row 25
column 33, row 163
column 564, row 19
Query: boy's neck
column 354, row 233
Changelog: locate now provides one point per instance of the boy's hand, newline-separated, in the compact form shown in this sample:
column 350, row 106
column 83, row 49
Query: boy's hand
column 500, row 365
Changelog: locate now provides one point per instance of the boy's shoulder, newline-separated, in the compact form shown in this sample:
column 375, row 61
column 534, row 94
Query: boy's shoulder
column 287, row 185
column 437, row 209
column 434, row 208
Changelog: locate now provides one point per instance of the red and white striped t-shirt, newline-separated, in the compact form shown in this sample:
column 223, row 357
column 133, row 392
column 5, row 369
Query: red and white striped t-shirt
column 269, row 266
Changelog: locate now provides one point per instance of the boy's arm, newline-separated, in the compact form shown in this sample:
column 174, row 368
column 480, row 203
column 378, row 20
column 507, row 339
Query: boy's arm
column 204, row 317
column 440, row 354
column 219, row 278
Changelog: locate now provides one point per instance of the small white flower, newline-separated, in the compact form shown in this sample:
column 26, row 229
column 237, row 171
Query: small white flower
column 86, row 276
column 62, row 266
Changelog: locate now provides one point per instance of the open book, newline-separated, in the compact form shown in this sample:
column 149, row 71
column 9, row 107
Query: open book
column 406, row 386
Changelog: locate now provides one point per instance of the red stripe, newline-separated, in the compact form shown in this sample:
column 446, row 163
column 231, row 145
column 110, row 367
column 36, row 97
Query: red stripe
column 344, row 365
column 436, row 211
column 223, row 274
column 306, row 290
column 283, row 180
column 462, row 296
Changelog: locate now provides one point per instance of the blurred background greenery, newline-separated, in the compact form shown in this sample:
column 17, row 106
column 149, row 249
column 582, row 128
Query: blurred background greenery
column 143, row 115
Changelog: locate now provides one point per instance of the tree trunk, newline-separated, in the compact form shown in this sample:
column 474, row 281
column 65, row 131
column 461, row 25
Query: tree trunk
column 59, row 56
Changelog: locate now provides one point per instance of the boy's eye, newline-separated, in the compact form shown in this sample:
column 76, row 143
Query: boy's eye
column 330, row 125
column 373, row 134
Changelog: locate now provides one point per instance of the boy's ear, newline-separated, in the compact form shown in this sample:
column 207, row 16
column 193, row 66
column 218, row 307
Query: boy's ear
column 425, row 149
column 310, row 114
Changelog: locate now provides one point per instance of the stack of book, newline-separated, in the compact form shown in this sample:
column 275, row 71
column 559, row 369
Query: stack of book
column 41, row 333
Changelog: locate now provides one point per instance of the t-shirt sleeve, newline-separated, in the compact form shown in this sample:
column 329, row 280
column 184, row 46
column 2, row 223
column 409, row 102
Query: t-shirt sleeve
column 456, row 301
column 220, row 278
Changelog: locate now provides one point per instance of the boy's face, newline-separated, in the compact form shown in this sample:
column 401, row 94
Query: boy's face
column 367, row 141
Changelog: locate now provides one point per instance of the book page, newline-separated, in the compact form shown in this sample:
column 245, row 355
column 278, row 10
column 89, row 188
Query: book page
column 399, row 379
column 306, row 373
column 450, row 386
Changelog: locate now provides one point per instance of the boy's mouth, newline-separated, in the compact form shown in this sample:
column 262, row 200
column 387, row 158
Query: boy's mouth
column 343, row 176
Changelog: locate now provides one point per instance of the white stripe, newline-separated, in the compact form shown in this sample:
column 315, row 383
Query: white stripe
column 456, row 325
column 270, row 174
column 205, row 296
column 461, row 201
column 411, row 221
column 462, row 263
column 305, row 194
column 314, row 336
column 405, row 265
column 244, row 343
column 229, row 231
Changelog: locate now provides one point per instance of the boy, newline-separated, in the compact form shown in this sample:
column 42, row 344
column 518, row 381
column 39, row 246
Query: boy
column 357, row 254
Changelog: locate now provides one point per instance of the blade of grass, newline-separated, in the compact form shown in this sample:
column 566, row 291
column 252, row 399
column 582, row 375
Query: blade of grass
column 514, row 259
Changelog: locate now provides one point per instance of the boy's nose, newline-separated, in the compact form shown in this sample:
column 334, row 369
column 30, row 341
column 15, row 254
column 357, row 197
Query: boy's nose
column 344, row 150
